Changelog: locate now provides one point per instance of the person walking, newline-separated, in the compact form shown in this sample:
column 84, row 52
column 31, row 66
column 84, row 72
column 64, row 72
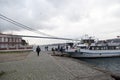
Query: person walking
column 53, row 50
column 47, row 48
column 38, row 50
column 61, row 50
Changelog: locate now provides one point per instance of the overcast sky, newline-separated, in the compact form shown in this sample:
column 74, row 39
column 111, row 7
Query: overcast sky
column 63, row 18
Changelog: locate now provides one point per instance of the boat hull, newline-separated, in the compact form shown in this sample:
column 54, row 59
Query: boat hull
column 94, row 53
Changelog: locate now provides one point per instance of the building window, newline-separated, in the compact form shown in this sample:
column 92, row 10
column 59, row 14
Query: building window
column 3, row 46
column 19, row 40
column 16, row 39
column 6, row 39
column 10, row 39
column 2, row 39
column 13, row 39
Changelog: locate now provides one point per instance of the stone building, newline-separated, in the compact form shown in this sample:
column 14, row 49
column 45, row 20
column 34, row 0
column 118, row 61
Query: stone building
column 8, row 42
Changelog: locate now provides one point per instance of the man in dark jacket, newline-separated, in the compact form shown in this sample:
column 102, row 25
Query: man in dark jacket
column 53, row 50
column 38, row 50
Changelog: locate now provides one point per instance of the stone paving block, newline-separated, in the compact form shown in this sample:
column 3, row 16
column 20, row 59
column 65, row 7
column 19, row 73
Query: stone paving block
column 47, row 67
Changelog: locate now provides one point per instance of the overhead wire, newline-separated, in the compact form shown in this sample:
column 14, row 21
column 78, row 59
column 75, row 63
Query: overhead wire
column 44, row 37
column 22, row 25
column 31, row 29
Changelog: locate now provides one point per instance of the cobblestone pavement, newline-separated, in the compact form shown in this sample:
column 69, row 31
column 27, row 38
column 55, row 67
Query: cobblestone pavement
column 47, row 67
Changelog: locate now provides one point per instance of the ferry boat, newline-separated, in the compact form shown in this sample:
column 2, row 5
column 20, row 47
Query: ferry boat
column 88, row 48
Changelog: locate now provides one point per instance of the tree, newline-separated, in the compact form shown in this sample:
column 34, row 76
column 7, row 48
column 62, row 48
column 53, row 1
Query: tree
column 24, row 42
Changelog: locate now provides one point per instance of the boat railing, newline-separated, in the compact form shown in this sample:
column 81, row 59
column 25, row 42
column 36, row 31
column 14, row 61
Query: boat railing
column 104, row 48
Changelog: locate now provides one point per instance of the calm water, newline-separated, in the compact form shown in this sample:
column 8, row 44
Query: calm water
column 111, row 64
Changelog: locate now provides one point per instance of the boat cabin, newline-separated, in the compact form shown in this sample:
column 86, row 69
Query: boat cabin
column 104, row 48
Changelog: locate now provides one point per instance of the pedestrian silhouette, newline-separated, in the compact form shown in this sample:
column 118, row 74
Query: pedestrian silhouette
column 61, row 49
column 58, row 47
column 53, row 50
column 38, row 50
column 46, row 48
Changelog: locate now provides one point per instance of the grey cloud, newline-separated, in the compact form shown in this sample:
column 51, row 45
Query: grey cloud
column 116, row 12
column 58, row 3
column 5, row 26
column 38, row 13
column 74, row 16
column 105, row 3
column 25, row 12
column 11, row 3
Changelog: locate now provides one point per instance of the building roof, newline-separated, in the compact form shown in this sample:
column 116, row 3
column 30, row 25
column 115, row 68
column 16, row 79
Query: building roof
column 8, row 35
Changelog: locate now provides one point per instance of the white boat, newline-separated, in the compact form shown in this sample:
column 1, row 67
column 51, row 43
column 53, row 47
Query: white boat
column 93, row 50
column 94, row 53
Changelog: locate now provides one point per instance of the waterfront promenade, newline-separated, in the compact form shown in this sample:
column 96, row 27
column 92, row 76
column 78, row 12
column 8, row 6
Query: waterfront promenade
column 47, row 67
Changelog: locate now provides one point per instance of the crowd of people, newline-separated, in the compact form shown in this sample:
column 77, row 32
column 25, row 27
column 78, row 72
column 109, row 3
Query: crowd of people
column 60, row 49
